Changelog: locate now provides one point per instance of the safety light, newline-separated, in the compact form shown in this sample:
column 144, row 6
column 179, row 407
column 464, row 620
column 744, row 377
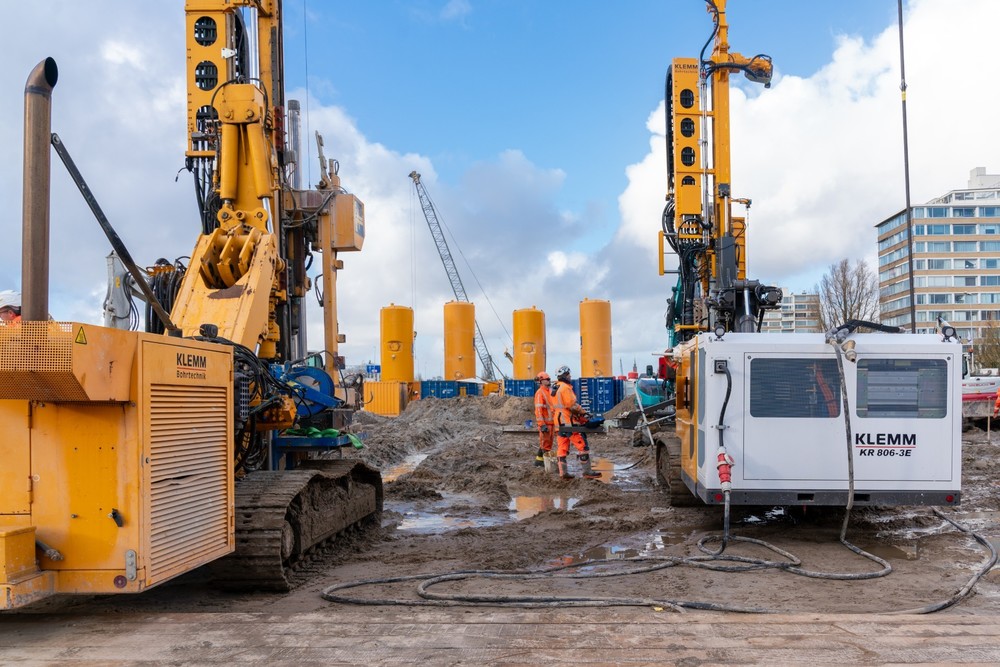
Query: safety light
column 684, row 118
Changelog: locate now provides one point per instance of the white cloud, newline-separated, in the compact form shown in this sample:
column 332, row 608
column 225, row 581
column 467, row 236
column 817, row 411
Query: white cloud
column 120, row 53
column 456, row 9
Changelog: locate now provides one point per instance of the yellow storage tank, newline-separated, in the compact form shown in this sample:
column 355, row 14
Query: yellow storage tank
column 595, row 338
column 459, row 340
column 397, row 343
column 529, row 343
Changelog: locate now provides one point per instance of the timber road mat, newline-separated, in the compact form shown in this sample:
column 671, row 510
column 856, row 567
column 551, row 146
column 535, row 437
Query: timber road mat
column 387, row 636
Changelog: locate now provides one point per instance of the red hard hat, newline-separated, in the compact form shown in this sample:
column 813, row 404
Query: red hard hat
column 542, row 376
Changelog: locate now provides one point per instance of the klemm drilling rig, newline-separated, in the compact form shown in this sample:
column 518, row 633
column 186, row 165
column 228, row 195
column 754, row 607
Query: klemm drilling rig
column 130, row 458
column 790, row 419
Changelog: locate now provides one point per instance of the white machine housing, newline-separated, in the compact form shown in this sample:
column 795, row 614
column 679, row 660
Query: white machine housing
column 785, row 424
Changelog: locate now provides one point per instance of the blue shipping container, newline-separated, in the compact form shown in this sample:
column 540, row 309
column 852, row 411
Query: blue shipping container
column 519, row 388
column 438, row 389
column 469, row 389
column 596, row 395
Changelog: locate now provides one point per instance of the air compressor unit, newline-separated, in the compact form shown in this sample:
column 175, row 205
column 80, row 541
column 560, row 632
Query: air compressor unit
column 803, row 419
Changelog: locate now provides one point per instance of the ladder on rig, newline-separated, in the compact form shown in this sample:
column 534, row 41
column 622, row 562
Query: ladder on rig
column 430, row 214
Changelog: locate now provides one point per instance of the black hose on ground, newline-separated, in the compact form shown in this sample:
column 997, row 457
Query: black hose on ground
column 723, row 563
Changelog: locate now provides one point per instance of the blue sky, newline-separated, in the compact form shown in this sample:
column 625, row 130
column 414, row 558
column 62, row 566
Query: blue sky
column 538, row 128
column 569, row 83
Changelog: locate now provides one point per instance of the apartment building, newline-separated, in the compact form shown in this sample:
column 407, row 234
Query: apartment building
column 799, row 313
column 956, row 260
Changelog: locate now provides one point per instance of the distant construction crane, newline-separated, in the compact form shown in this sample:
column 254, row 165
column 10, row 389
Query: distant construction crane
column 449, row 267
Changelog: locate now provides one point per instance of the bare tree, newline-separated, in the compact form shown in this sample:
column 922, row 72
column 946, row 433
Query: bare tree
column 986, row 349
column 848, row 293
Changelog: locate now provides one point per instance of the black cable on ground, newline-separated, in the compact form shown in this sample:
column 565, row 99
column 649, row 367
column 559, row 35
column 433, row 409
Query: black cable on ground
column 722, row 563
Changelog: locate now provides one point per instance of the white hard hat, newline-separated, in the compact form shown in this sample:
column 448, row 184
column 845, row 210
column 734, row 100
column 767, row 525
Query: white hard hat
column 10, row 299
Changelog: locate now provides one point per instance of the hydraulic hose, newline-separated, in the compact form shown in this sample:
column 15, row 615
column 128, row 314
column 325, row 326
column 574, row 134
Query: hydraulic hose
column 724, row 465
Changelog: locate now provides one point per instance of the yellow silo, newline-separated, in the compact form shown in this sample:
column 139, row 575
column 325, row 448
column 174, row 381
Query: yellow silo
column 397, row 343
column 529, row 343
column 595, row 338
column 459, row 340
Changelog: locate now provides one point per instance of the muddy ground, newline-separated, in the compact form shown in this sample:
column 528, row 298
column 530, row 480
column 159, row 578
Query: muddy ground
column 462, row 494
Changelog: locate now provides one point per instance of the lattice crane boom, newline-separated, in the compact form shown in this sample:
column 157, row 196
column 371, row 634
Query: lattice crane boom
column 430, row 214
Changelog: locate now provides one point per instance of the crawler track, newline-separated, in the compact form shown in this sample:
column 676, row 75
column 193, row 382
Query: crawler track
column 283, row 517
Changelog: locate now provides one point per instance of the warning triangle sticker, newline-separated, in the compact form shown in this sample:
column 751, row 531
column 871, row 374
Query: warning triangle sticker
column 81, row 338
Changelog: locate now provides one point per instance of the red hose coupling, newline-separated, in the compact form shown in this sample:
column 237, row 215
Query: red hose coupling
column 724, row 464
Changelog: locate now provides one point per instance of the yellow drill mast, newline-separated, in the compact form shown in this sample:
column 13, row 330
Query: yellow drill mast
column 698, row 221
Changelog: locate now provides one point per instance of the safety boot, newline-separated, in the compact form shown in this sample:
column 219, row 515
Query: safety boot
column 564, row 468
column 588, row 471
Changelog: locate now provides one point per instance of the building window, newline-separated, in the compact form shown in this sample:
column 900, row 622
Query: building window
column 938, row 230
column 940, row 246
column 939, row 281
column 963, row 212
column 959, row 230
column 965, row 281
column 939, row 298
column 967, row 246
column 990, row 212
column 991, row 263
column 937, row 212
column 938, row 264
column 965, row 263
column 989, row 281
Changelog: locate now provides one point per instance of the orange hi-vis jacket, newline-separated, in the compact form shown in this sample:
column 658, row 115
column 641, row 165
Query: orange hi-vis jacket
column 543, row 406
column 564, row 403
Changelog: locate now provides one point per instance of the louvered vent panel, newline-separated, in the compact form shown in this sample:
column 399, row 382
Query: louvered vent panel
column 189, row 470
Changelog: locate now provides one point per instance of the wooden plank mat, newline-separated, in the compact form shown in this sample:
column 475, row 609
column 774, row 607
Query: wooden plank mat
column 366, row 636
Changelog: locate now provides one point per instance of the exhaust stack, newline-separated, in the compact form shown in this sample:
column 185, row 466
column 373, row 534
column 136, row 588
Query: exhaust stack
column 35, row 216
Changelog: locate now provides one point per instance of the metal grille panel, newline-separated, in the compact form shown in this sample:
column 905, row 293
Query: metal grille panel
column 36, row 362
column 189, row 477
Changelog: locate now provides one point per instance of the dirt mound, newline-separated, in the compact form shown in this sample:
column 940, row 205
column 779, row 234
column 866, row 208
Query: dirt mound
column 494, row 409
column 623, row 407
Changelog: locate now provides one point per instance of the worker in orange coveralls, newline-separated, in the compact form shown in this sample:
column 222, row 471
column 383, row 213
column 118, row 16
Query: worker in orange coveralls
column 10, row 306
column 565, row 406
column 543, row 416
column 996, row 404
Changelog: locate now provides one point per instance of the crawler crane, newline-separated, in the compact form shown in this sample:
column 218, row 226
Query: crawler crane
column 130, row 458
column 789, row 419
